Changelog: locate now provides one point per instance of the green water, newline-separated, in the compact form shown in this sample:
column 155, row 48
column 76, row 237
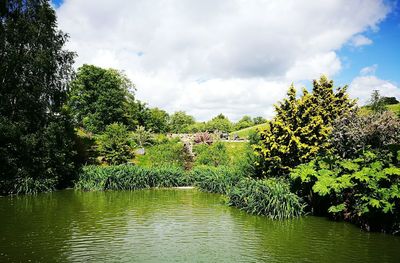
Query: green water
column 172, row 226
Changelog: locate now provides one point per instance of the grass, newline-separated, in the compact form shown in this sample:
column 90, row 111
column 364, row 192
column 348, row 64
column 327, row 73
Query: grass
column 236, row 151
column 395, row 108
column 244, row 133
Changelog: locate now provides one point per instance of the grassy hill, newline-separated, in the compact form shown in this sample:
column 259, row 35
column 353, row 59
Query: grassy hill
column 244, row 133
column 395, row 108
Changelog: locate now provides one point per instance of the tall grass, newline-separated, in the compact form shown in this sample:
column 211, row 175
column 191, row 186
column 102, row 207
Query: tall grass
column 268, row 197
column 219, row 179
column 129, row 177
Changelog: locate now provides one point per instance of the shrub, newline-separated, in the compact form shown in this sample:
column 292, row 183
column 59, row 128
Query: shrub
column 364, row 190
column 113, row 144
column 213, row 155
column 142, row 137
column 203, row 137
column 353, row 132
column 168, row 153
column 301, row 127
column 268, row 197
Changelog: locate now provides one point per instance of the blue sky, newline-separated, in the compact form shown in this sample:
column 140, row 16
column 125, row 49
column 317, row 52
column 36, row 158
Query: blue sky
column 233, row 56
column 383, row 52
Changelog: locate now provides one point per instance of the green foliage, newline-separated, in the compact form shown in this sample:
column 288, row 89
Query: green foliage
column 113, row 144
column 157, row 121
column 268, row 197
column 129, row 177
column 301, row 127
column 180, row 121
column 97, row 97
column 213, row 155
column 197, row 127
column 169, row 152
column 259, row 120
column 142, row 137
column 219, row 123
column 243, row 123
column 390, row 100
column 37, row 149
column 377, row 103
column 364, row 190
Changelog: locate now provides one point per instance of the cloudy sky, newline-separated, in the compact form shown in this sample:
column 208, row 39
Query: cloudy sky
column 236, row 57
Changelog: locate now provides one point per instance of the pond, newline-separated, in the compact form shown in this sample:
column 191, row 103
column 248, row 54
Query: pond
column 172, row 225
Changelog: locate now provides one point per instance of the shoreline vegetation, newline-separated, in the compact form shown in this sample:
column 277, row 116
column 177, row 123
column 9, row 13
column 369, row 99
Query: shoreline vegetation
column 60, row 127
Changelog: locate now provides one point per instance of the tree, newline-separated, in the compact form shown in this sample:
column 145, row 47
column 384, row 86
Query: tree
column 301, row 128
column 244, row 122
column 259, row 120
column 180, row 121
column 376, row 103
column 389, row 100
column 37, row 150
column 98, row 97
column 136, row 112
column 219, row 123
column 142, row 137
column 157, row 121
column 113, row 144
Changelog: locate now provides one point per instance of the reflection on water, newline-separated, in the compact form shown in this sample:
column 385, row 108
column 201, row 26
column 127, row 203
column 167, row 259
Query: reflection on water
column 167, row 225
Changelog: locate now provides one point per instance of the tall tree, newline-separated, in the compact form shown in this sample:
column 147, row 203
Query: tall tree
column 98, row 96
column 180, row 121
column 36, row 136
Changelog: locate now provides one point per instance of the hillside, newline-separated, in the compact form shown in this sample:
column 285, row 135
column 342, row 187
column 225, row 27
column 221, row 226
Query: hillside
column 394, row 107
column 244, row 133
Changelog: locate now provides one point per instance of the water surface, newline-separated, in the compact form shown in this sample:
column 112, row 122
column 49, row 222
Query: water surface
column 167, row 225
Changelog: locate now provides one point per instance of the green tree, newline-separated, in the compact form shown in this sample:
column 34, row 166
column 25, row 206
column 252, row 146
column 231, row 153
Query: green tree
column 301, row 128
column 244, row 122
column 219, row 123
column 377, row 103
column 259, row 120
column 180, row 121
column 98, row 97
column 37, row 149
column 113, row 144
column 157, row 121
column 142, row 137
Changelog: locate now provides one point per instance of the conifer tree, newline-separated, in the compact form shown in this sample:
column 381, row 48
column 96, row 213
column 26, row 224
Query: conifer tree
column 301, row 127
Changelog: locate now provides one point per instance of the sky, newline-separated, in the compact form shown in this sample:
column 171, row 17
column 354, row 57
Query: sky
column 237, row 57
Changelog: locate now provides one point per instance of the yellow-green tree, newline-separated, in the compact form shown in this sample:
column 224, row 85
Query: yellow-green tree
column 301, row 128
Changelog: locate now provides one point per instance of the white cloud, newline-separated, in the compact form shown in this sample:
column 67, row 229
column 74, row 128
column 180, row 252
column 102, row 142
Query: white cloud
column 363, row 86
column 232, row 56
column 360, row 40
column 369, row 70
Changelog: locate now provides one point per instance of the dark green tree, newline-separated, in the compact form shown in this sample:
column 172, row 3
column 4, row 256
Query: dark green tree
column 36, row 137
column 98, row 97
column 244, row 122
column 259, row 120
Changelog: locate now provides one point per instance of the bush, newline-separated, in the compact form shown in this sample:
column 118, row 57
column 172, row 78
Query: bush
column 354, row 132
column 268, row 197
column 364, row 190
column 213, row 155
column 113, row 144
column 168, row 153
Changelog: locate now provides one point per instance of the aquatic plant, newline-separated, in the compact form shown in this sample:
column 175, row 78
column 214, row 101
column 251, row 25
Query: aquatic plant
column 268, row 197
